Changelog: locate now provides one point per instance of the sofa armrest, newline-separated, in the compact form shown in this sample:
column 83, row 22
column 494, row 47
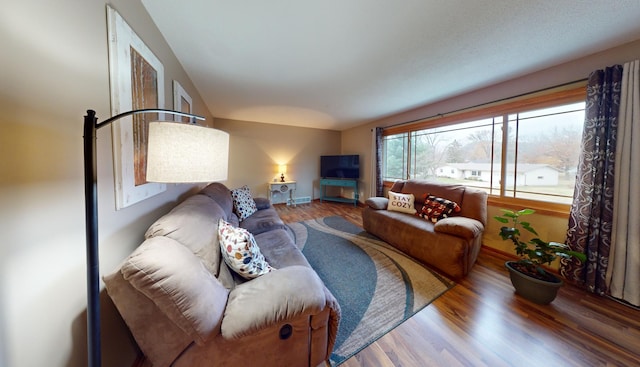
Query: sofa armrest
column 262, row 203
column 178, row 283
column 377, row 202
column 460, row 226
column 272, row 298
column 474, row 205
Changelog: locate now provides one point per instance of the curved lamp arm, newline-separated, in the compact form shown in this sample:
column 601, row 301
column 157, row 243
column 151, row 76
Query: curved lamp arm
column 138, row 112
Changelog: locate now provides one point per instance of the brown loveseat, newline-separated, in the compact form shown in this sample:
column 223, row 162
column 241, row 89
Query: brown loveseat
column 185, row 307
column 451, row 245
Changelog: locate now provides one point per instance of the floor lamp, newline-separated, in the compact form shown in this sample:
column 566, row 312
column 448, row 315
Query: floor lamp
column 176, row 152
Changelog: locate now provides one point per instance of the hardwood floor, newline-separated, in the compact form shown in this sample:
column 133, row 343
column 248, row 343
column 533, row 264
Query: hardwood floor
column 481, row 322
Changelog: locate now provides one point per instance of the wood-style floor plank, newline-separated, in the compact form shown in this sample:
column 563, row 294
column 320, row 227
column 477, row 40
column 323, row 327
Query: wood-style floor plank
column 481, row 322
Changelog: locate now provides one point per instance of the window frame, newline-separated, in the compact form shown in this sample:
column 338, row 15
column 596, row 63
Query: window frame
column 570, row 93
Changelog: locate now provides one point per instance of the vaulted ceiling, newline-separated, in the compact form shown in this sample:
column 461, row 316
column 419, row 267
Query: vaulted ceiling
column 334, row 64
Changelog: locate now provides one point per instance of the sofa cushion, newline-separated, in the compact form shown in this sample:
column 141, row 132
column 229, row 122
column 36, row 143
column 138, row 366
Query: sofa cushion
column 279, row 249
column 262, row 203
column 420, row 187
column 243, row 203
column 179, row 284
column 221, row 195
column 435, row 208
column 401, row 202
column 460, row 226
column 377, row 203
column 241, row 252
column 193, row 223
column 275, row 298
column 263, row 220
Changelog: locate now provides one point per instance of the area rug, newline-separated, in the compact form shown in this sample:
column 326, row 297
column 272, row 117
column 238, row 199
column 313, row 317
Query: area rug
column 377, row 286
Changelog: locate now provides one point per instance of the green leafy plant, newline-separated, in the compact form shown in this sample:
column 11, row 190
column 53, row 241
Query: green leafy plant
column 535, row 252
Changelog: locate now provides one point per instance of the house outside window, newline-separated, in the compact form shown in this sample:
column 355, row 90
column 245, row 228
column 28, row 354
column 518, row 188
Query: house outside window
column 529, row 151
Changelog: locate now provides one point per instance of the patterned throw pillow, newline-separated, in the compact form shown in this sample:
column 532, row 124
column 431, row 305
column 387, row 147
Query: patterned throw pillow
column 401, row 202
column 243, row 203
column 436, row 208
column 241, row 252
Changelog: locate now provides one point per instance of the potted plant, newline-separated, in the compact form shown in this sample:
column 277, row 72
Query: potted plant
column 528, row 277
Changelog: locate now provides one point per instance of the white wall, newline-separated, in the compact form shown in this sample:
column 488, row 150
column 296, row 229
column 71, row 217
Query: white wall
column 52, row 69
column 358, row 140
column 256, row 150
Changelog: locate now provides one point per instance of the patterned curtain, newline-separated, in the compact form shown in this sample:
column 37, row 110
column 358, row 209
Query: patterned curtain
column 379, row 185
column 591, row 216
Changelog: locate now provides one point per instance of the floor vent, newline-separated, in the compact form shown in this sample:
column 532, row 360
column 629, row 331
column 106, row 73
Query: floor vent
column 302, row 200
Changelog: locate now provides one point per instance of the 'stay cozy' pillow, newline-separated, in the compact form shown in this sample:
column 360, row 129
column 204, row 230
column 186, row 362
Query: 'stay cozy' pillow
column 401, row 202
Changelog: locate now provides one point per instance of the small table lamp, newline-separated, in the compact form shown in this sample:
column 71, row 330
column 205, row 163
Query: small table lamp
column 283, row 170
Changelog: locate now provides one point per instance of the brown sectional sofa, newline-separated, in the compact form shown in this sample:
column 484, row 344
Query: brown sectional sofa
column 185, row 307
column 451, row 245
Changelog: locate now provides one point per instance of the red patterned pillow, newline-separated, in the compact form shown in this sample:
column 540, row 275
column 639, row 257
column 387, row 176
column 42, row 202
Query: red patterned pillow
column 436, row 208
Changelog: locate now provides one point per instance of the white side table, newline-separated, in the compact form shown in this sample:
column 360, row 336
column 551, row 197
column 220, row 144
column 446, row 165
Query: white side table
column 283, row 188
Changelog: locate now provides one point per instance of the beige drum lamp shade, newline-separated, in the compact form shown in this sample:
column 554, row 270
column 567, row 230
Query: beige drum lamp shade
column 178, row 152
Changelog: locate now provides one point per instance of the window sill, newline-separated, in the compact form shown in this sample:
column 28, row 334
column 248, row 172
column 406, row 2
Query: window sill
column 541, row 207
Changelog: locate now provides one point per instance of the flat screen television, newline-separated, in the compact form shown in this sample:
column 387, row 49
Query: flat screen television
column 340, row 166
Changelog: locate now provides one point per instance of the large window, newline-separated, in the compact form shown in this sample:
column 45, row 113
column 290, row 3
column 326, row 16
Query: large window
column 524, row 150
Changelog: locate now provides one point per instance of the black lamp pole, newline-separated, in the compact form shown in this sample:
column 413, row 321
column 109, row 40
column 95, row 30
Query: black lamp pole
column 91, row 215
column 91, row 125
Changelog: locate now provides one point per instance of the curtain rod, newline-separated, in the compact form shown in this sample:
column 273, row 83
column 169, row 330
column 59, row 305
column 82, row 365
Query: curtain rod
column 486, row 103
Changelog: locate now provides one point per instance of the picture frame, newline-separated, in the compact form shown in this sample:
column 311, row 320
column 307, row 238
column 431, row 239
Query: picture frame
column 136, row 78
column 181, row 100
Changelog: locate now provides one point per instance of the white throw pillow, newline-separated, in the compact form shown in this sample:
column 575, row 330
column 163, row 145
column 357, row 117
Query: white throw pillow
column 243, row 203
column 241, row 252
column 401, row 202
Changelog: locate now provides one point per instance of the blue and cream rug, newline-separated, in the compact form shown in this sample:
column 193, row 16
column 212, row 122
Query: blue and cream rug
column 377, row 286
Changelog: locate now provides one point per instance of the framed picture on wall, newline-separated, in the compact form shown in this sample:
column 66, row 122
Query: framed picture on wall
column 136, row 78
column 181, row 100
